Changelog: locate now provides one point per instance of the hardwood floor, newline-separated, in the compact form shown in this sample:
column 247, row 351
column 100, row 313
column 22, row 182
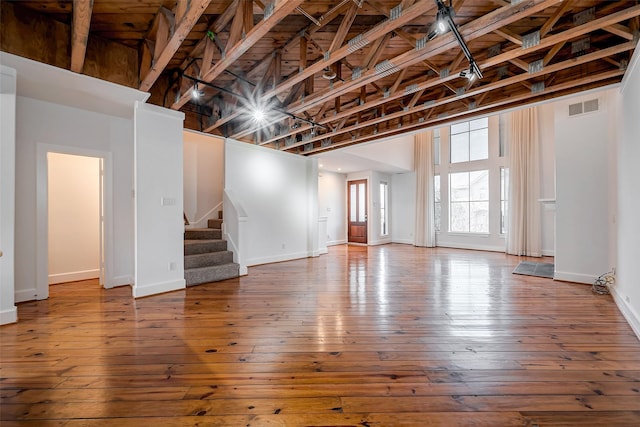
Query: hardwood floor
column 364, row 336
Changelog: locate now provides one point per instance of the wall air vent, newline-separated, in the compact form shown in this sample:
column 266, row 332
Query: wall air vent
column 575, row 109
column 583, row 107
column 591, row 105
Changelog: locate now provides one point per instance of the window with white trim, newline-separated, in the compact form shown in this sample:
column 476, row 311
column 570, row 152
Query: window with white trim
column 469, row 197
column 384, row 209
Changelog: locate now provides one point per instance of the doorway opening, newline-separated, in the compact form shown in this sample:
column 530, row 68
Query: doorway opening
column 75, row 218
column 357, row 221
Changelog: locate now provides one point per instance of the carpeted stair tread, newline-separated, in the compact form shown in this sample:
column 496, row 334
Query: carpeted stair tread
column 202, row 233
column 208, row 259
column 215, row 273
column 201, row 246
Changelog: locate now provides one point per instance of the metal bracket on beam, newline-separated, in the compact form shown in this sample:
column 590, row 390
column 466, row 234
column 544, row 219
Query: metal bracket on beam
column 537, row 87
column 531, row 40
column 536, row 66
column 268, row 10
column 396, row 12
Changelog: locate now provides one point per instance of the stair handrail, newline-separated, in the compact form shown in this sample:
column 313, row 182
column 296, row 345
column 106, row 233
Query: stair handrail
column 234, row 228
column 205, row 216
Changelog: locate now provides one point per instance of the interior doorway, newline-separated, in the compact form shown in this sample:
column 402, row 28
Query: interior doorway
column 357, row 195
column 75, row 218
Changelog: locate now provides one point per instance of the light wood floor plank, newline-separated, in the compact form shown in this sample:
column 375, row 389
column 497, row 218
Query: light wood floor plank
column 364, row 336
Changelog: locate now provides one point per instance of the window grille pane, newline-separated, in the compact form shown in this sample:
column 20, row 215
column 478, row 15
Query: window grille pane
column 460, row 148
column 479, row 217
column 459, row 217
column 353, row 208
column 460, row 127
column 361, row 203
column 479, row 123
column 479, row 144
column 459, row 187
column 479, row 185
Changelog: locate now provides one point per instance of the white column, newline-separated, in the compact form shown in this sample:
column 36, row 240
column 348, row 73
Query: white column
column 159, row 227
column 8, row 312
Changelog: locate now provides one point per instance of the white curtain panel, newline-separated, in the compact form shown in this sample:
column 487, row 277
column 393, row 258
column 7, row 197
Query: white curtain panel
column 425, row 199
column 524, row 231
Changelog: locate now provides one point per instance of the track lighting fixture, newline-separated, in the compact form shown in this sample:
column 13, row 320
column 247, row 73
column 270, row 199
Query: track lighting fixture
column 444, row 22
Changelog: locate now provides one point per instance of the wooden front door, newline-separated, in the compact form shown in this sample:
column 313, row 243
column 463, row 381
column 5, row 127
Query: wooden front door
column 357, row 211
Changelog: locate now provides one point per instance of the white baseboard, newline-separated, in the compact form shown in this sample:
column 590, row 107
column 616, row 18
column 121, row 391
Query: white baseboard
column 472, row 247
column 627, row 311
column 9, row 316
column 380, row 242
column 323, row 251
column 26, row 295
column 548, row 252
column 574, row 277
column 277, row 258
column 158, row 288
column 403, row 241
column 336, row 242
column 119, row 281
column 73, row 276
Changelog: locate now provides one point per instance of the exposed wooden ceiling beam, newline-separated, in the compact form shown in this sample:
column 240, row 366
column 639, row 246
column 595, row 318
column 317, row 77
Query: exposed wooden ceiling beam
column 216, row 27
column 503, row 103
column 520, row 78
column 553, row 19
column 344, row 27
column 620, row 30
column 80, row 33
column 195, row 10
column 281, row 10
column 376, row 32
column 481, row 26
column 509, row 35
column 554, row 40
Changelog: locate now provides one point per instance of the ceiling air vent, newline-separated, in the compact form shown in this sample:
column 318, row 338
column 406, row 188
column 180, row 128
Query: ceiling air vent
column 583, row 107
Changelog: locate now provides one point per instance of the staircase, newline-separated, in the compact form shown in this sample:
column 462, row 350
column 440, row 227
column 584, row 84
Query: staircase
column 206, row 258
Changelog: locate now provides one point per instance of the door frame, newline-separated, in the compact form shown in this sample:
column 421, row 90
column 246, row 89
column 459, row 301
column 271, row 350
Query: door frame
column 367, row 201
column 42, row 213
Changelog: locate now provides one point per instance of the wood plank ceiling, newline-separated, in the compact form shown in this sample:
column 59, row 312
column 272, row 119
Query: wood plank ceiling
column 388, row 76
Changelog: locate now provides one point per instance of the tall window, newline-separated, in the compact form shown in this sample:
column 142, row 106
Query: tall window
column 469, row 202
column 504, row 198
column 438, row 207
column 384, row 209
column 470, row 141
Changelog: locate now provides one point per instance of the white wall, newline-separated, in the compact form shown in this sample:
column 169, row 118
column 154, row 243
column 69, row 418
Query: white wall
column 159, row 251
column 203, row 174
column 74, row 217
column 627, row 288
column 60, row 128
column 279, row 193
column 582, row 173
column 403, row 207
column 332, row 202
column 8, row 312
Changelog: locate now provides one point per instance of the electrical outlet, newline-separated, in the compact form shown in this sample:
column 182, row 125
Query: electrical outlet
column 284, row 246
column 613, row 271
column 172, row 266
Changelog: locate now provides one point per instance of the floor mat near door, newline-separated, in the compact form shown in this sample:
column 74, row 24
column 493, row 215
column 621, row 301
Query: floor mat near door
column 539, row 269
